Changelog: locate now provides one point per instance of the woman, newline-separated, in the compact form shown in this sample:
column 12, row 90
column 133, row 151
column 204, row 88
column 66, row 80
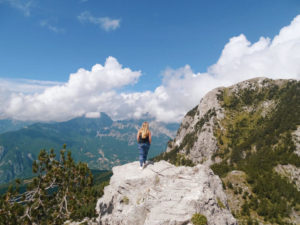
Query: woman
column 144, row 141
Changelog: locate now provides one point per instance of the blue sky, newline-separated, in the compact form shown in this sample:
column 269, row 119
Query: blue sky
column 48, row 40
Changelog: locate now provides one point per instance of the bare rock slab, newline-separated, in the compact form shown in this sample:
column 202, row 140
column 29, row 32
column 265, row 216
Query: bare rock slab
column 162, row 194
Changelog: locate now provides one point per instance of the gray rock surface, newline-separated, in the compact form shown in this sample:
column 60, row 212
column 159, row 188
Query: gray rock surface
column 205, row 144
column 291, row 172
column 85, row 221
column 162, row 194
column 296, row 137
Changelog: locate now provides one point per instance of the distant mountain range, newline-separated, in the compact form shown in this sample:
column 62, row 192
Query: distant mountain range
column 101, row 142
column 12, row 125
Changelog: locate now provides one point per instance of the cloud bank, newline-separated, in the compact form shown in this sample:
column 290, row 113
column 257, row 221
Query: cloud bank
column 98, row 90
column 86, row 91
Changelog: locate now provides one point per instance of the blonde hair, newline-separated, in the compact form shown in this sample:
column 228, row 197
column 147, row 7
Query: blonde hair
column 144, row 130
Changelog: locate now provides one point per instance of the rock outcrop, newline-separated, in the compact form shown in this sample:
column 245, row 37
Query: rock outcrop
column 199, row 125
column 162, row 194
column 296, row 136
column 291, row 172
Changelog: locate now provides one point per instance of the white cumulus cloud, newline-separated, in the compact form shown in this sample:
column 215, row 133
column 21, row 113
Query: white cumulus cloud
column 104, row 23
column 86, row 91
column 277, row 58
column 181, row 89
column 98, row 90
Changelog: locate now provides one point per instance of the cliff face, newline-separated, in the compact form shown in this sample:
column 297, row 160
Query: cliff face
column 195, row 137
column 248, row 134
column 162, row 194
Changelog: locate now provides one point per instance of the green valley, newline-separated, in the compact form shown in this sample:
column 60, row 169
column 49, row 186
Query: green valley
column 101, row 142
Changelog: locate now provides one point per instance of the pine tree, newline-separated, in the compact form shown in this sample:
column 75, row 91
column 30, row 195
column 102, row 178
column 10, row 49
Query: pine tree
column 57, row 192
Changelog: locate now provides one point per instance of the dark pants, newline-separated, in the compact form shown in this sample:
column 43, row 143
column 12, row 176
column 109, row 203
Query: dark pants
column 143, row 149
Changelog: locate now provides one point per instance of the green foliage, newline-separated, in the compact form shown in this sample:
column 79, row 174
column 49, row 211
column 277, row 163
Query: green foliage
column 249, row 222
column 189, row 141
column 245, row 209
column 61, row 190
column 175, row 158
column 257, row 143
column 199, row 219
column 206, row 117
column 100, row 176
column 220, row 203
column 221, row 169
column 229, row 185
column 181, row 160
column 192, row 112
column 168, row 156
column 125, row 200
column 169, row 143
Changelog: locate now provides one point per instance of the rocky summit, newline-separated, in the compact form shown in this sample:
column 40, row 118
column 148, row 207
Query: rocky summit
column 163, row 194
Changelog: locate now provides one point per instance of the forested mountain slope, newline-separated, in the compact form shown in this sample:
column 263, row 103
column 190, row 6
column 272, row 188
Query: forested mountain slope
column 12, row 125
column 249, row 134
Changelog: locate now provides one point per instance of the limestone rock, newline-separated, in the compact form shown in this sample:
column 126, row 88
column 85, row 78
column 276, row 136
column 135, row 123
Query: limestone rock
column 85, row 221
column 207, row 113
column 296, row 136
column 291, row 172
column 162, row 194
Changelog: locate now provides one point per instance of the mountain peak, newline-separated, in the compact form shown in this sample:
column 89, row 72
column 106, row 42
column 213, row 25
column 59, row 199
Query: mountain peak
column 101, row 120
column 249, row 130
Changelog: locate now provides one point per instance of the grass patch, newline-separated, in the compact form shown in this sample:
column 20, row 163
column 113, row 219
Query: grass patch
column 125, row 200
column 220, row 203
column 199, row 219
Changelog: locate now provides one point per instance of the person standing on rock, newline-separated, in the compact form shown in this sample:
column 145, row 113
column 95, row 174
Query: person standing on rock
column 144, row 141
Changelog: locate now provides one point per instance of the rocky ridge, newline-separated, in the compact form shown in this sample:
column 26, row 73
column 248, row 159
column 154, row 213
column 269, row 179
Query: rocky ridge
column 196, row 139
column 163, row 194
